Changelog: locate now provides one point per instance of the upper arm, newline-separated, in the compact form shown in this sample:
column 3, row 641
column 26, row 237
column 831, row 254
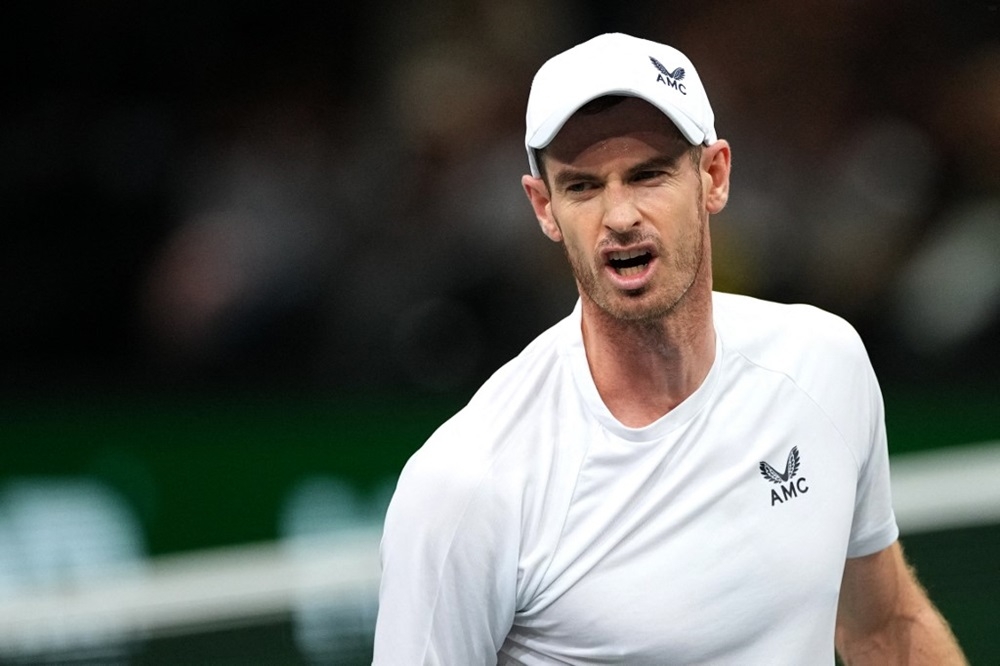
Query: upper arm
column 885, row 616
column 449, row 563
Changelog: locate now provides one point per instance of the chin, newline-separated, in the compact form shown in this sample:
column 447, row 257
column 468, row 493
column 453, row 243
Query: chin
column 637, row 309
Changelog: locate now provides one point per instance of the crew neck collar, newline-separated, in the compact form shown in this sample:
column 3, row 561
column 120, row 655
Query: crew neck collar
column 576, row 354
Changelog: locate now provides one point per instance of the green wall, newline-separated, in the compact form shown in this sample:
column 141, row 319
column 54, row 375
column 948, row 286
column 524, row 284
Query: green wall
column 209, row 471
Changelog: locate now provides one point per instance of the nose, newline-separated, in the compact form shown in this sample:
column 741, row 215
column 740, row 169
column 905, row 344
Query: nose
column 620, row 213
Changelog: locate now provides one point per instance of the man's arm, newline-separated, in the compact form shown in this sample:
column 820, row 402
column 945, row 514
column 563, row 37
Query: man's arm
column 885, row 616
column 449, row 565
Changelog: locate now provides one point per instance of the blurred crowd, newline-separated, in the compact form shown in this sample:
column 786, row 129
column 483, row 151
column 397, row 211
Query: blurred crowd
column 327, row 195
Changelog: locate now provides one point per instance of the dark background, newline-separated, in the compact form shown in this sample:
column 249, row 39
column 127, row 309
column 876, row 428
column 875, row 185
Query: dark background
column 326, row 195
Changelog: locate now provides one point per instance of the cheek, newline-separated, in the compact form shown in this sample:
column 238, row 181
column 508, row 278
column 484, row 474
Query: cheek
column 676, row 210
column 568, row 226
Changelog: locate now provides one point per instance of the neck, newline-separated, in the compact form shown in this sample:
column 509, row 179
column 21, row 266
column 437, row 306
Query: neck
column 643, row 370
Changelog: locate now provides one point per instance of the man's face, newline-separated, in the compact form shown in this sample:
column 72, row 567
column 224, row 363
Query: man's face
column 627, row 202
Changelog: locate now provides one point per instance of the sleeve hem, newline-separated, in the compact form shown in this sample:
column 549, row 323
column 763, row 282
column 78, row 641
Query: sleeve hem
column 873, row 542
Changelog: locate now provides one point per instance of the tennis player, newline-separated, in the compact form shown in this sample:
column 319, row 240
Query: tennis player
column 669, row 475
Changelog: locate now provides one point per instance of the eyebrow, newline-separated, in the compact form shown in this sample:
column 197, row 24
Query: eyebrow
column 660, row 162
column 567, row 176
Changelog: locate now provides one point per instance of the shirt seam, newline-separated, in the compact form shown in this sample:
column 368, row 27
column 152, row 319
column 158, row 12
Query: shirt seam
column 833, row 423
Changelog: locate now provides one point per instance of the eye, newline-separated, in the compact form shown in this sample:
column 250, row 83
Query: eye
column 578, row 188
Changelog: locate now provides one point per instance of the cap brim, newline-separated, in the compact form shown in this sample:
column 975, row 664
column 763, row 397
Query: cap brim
column 549, row 128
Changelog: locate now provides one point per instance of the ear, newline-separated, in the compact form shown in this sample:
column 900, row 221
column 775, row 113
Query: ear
column 715, row 167
column 541, row 203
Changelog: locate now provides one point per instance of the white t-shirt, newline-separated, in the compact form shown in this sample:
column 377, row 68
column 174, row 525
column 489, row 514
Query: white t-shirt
column 534, row 528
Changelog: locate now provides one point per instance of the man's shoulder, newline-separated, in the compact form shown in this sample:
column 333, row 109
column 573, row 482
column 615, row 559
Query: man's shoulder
column 820, row 351
column 496, row 422
column 755, row 326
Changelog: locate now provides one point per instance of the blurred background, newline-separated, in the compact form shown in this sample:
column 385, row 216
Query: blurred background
column 255, row 252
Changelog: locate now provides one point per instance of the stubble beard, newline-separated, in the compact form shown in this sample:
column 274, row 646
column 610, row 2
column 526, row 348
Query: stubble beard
column 652, row 303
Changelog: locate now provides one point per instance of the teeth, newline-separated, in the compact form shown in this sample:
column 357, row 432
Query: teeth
column 631, row 270
column 622, row 255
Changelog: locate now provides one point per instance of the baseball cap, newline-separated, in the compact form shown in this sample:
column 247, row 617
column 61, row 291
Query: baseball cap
column 616, row 64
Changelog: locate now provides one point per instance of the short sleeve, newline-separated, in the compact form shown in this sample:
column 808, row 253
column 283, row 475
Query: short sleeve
column 449, row 564
column 874, row 527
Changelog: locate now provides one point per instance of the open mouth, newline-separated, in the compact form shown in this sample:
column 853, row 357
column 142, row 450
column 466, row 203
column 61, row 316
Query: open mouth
column 629, row 262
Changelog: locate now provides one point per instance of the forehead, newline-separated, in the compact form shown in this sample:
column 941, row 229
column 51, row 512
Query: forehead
column 632, row 121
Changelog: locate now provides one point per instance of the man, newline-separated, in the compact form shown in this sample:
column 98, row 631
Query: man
column 669, row 475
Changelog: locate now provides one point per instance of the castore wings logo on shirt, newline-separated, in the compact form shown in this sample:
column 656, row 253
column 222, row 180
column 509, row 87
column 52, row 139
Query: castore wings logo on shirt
column 790, row 486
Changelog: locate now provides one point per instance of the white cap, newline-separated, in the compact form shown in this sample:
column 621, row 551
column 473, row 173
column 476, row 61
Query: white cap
column 617, row 64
